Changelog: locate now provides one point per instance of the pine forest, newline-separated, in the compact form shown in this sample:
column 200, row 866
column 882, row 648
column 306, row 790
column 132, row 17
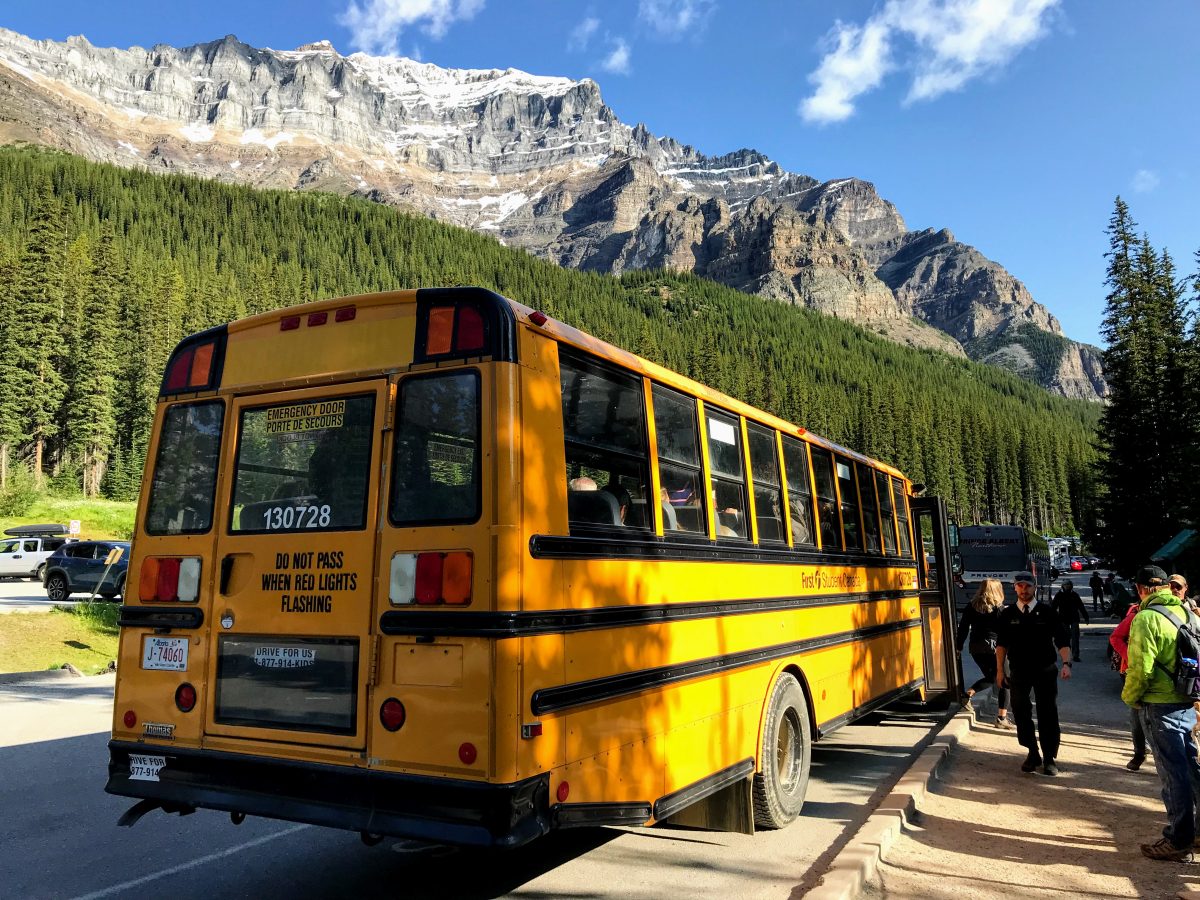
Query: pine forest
column 103, row 270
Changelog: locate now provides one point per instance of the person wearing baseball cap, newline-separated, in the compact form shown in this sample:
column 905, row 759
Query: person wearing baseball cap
column 1168, row 716
column 1031, row 639
column 1179, row 587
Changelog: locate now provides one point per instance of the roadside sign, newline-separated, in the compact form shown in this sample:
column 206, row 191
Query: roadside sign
column 73, row 528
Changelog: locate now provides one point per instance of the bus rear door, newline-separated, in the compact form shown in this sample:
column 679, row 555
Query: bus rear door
column 295, row 558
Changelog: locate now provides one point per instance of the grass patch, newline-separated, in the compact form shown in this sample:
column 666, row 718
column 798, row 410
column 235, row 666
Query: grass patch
column 99, row 519
column 84, row 637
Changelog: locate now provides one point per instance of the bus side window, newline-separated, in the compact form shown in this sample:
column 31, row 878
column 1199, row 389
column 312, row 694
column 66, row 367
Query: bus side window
column 604, row 426
column 768, row 494
column 902, row 517
column 827, row 517
column 679, row 469
column 886, row 511
column 728, row 475
column 849, row 495
column 870, row 508
column 795, row 462
column 436, row 469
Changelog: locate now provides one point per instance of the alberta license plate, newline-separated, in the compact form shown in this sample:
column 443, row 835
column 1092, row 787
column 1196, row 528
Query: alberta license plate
column 145, row 768
column 169, row 653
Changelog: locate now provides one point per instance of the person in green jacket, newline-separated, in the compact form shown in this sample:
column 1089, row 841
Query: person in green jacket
column 1168, row 717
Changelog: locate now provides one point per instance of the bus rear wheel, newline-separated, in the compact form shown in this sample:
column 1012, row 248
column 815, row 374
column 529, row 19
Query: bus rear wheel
column 786, row 756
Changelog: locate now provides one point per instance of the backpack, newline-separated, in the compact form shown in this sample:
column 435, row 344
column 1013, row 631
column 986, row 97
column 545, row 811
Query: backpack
column 1186, row 676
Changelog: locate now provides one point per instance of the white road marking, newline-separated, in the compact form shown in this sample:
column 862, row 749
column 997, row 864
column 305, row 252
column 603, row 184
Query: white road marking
column 14, row 695
column 203, row 860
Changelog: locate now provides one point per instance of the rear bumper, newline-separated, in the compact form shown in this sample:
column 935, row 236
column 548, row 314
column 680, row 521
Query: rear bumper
column 442, row 810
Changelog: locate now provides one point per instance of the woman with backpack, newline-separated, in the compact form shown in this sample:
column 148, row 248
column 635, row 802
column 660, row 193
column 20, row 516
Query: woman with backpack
column 979, row 619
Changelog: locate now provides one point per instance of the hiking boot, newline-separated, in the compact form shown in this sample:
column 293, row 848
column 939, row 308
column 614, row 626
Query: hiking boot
column 1136, row 763
column 1050, row 768
column 1164, row 850
column 1032, row 761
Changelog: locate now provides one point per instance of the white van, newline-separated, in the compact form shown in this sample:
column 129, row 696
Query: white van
column 25, row 549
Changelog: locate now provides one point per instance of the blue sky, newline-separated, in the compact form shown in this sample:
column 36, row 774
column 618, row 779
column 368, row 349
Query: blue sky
column 1014, row 123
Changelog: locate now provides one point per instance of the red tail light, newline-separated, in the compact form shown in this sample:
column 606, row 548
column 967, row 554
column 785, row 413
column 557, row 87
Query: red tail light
column 392, row 714
column 168, row 580
column 470, row 336
column 467, row 754
column 429, row 578
column 185, row 697
column 130, row 718
column 563, row 792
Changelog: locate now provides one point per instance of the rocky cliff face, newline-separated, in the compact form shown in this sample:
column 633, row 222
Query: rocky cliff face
column 539, row 162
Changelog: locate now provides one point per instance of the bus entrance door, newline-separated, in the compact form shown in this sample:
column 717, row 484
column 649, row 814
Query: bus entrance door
column 943, row 679
column 295, row 561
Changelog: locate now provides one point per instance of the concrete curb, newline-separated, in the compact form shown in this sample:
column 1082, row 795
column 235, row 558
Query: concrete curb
column 44, row 675
column 857, row 862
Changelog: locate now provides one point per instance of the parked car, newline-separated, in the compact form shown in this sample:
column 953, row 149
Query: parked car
column 25, row 549
column 81, row 568
column 1078, row 563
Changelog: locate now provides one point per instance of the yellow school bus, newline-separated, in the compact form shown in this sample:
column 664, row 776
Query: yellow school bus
column 431, row 564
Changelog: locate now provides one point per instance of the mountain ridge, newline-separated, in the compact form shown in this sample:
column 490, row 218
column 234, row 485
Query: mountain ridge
column 539, row 162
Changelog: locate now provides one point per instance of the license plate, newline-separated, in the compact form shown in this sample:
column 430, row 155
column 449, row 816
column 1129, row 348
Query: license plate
column 169, row 653
column 145, row 768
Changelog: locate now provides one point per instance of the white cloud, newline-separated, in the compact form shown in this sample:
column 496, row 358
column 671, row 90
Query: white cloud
column 952, row 42
column 858, row 62
column 674, row 19
column 376, row 25
column 617, row 62
column 1144, row 181
column 582, row 33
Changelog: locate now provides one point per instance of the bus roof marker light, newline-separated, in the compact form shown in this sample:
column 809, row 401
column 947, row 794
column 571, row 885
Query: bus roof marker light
column 345, row 314
column 180, row 373
column 538, row 318
column 439, row 339
column 201, row 368
column 289, row 323
column 317, row 318
column 469, row 336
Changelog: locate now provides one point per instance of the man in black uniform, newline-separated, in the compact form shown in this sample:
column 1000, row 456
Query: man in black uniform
column 1030, row 637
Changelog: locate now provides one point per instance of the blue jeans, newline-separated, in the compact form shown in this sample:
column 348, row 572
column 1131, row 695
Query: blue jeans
column 1168, row 728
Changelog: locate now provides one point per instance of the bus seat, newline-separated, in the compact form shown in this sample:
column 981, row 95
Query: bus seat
column 769, row 529
column 687, row 518
column 593, row 508
column 670, row 522
column 638, row 514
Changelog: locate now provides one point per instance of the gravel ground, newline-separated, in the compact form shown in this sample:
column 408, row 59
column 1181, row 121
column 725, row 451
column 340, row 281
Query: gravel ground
column 988, row 830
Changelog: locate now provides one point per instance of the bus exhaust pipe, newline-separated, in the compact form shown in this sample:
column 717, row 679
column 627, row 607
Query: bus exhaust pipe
column 132, row 815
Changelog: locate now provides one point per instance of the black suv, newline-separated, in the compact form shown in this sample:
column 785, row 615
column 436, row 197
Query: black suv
column 79, row 567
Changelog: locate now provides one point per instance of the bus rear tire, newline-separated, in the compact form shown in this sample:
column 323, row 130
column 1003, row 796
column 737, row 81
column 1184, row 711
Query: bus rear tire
column 786, row 757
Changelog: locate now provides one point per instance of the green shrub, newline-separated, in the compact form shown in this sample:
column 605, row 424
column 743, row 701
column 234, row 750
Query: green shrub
column 20, row 493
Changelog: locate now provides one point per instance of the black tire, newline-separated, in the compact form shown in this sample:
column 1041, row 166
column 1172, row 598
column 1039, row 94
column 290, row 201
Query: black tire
column 39, row 574
column 57, row 588
column 786, row 756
